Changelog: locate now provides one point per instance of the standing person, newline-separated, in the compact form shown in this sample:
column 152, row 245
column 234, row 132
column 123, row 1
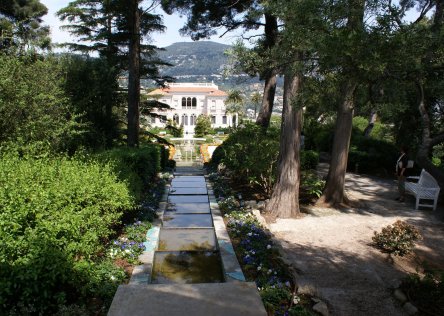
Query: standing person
column 401, row 172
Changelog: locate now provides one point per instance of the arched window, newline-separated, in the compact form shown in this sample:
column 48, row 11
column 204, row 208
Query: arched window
column 193, row 119
column 185, row 119
column 234, row 120
column 184, row 103
column 194, row 103
column 176, row 118
column 188, row 103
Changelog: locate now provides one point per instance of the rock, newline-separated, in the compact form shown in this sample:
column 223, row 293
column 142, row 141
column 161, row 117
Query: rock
column 252, row 203
column 410, row 308
column 321, row 308
column 259, row 218
column 261, row 205
column 400, row 296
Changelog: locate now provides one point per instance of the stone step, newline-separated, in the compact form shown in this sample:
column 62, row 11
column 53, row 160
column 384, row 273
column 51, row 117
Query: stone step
column 215, row 299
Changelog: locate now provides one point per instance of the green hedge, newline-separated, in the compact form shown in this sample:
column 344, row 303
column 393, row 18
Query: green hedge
column 372, row 156
column 136, row 166
column 55, row 214
column 251, row 155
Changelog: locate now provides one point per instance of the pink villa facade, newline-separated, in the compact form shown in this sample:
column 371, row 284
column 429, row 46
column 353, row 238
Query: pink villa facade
column 188, row 101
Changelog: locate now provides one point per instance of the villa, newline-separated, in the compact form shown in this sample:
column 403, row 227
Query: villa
column 188, row 101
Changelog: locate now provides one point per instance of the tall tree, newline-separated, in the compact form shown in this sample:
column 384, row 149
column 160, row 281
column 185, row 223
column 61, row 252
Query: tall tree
column 334, row 191
column 235, row 103
column 284, row 201
column 21, row 25
column 116, row 28
column 204, row 17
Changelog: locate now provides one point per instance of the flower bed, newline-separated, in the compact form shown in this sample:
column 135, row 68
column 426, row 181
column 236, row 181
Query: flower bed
column 259, row 258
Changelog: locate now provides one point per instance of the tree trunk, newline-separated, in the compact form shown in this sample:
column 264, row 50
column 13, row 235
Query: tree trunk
column 271, row 36
column 371, row 123
column 428, row 142
column 284, row 201
column 334, row 192
column 133, row 74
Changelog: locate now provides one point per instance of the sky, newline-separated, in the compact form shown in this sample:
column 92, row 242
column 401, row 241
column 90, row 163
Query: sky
column 173, row 24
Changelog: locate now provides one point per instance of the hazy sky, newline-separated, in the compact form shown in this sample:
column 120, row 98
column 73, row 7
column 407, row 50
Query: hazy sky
column 173, row 24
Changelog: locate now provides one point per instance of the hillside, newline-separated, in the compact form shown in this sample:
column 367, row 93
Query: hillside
column 195, row 58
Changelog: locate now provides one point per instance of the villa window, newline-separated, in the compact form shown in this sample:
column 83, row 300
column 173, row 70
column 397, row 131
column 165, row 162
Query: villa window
column 193, row 119
column 213, row 119
column 224, row 119
column 188, row 103
column 184, row 103
column 176, row 118
column 194, row 103
column 185, row 119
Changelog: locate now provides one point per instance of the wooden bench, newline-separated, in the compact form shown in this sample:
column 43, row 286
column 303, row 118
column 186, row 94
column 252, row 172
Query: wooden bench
column 425, row 189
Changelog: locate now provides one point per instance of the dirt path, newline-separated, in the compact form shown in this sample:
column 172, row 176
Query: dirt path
column 331, row 251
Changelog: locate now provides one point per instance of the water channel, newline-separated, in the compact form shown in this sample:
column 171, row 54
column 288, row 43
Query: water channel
column 187, row 251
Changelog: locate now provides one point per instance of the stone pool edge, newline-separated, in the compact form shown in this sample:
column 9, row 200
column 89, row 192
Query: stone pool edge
column 142, row 273
column 230, row 265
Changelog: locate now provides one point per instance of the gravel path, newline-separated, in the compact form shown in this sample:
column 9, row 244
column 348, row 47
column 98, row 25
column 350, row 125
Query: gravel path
column 331, row 251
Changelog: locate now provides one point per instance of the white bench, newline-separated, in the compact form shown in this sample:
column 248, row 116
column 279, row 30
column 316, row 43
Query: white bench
column 425, row 189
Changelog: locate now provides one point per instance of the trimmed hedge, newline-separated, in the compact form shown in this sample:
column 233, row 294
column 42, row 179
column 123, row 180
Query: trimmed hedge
column 136, row 166
column 55, row 214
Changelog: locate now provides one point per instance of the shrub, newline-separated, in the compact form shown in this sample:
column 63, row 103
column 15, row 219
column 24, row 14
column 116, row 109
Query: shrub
column 203, row 126
column 371, row 156
column 55, row 213
column 398, row 239
column 251, row 155
column 427, row 292
column 309, row 159
column 136, row 166
column 33, row 105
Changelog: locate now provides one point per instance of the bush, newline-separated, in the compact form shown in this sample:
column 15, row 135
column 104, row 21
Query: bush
column 136, row 166
column 33, row 105
column 398, row 239
column 55, row 215
column 427, row 292
column 372, row 156
column 203, row 126
column 309, row 159
column 251, row 155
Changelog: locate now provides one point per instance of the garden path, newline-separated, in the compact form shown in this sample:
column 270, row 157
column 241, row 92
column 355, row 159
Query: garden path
column 331, row 253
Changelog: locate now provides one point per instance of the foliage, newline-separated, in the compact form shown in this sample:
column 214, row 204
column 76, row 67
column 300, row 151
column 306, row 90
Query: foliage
column 371, row 156
column 274, row 297
column 136, row 166
column 398, row 239
column 33, row 106
column 379, row 130
column 311, row 186
column 203, row 126
column 251, row 157
column 92, row 87
column 20, row 26
column 427, row 292
column 55, row 215
column 130, row 244
column 309, row 159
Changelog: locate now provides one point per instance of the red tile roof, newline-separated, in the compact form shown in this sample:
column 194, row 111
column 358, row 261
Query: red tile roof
column 175, row 90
